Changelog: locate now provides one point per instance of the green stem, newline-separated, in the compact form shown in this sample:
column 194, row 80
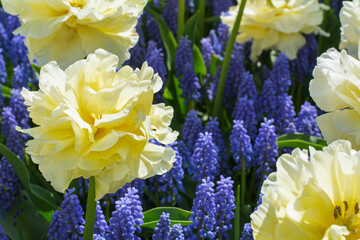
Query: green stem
column 201, row 17
column 252, row 181
column 237, row 214
column 324, row 26
column 181, row 18
column 243, row 181
column 226, row 63
column 90, row 211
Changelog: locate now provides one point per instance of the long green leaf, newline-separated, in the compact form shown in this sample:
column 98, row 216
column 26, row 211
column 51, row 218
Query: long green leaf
column 177, row 215
column 167, row 38
column 199, row 63
column 237, row 214
column 29, row 223
column 42, row 198
column 301, row 141
column 191, row 28
column 6, row 91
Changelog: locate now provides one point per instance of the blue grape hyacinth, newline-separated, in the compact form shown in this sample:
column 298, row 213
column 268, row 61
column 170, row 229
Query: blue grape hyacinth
column 205, row 158
column 225, row 205
column 162, row 229
column 177, row 232
column 127, row 217
column 204, row 212
column 69, row 222
column 241, row 146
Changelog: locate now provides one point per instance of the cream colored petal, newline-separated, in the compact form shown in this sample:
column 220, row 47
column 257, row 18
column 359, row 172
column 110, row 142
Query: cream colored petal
column 291, row 175
column 92, row 39
column 155, row 160
column 52, row 47
column 264, row 219
column 41, row 27
column 348, row 122
column 15, row 7
column 329, row 130
column 288, row 229
column 321, row 88
column 290, row 44
column 313, row 207
column 160, row 120
column 335, row 232
column 270, row 39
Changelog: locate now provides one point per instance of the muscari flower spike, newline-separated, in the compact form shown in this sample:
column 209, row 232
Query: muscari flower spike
column 205, row 158
column 127, row 217
column 241, row 146
column 162, row 229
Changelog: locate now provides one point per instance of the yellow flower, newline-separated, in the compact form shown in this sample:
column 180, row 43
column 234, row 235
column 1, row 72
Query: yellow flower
column 68, row 30
column 276, row 24
column 312, row 200
column 94, row 121
column 336, row 90
column 350, row 26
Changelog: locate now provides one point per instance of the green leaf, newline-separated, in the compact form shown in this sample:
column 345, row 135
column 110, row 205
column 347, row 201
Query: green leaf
column 36, row 69
column 175, row 98
column 191, row 28
column 177, row 215
column 190, row 186
column 245, row 212
column 41, row 197
column 47, row 215
column 301, row 141
column 199, row 63
column 167, row 38
column 29, row 223
column 237, row 214
column 6, row 91
column 214, row 64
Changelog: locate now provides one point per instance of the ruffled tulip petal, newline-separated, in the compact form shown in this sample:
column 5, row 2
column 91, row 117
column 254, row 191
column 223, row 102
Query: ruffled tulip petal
column 97, row 121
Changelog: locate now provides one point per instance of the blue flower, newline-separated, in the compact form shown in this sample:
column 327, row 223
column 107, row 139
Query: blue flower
column 18, row 108
column 220, row 6
column 127, row 217
column 225, row 205
column 9, row 186
column 169, row 185
column 244, row 110
column 205, row 158
column 170, row 15
column 100, row 226
column 155, row 59
column 212, row 127
column 3, row 234
column 204, row 212
column 192, row 127
column 302, row 66
column 69, row 222
column 184, row 55
column 241, row 146
column 265, row 147
column 14, row 139
column 162, row 229
column 3, row 74
column 306, row 120
column 247, row 233
column 176, row 232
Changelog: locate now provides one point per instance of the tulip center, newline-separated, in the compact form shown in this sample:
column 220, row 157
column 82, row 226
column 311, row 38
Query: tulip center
column 77, row 3
column 348, row 216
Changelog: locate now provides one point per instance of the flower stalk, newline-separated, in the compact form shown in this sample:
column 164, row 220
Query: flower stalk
column 243, row 181
column 90, row 211
column 181, row 18
column 226, row 62
column 201, row 17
